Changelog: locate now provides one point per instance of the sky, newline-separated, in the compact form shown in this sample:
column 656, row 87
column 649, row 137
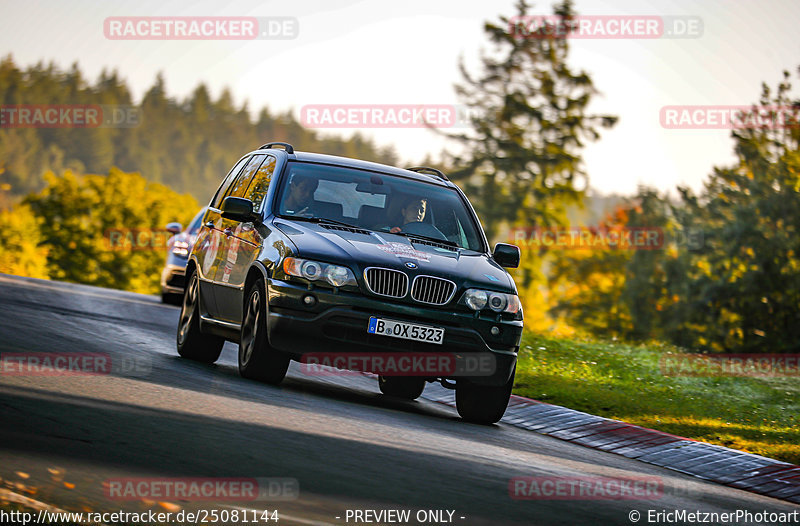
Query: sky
column 381, row 52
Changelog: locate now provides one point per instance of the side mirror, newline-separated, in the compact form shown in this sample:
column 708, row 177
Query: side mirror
column 174, row 228
column 506, row 255
column 239, row 209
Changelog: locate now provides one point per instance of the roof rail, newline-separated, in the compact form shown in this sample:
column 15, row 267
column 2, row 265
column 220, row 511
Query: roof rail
column 286, row 146
column 429, row 171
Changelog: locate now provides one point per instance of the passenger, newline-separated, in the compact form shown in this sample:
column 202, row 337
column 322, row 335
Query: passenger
column 301, row 195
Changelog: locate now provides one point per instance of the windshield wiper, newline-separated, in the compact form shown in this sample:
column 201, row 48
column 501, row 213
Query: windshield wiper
column 411, row 236
column 325, row 220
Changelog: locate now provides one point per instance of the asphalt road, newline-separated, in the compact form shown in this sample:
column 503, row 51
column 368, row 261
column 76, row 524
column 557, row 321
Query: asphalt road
column 348, row 447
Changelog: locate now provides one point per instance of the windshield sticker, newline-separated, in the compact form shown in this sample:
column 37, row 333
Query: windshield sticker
column 404, row 251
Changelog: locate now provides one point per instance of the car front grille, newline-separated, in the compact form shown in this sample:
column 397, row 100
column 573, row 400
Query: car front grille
column 436, row 291
column 387, row 282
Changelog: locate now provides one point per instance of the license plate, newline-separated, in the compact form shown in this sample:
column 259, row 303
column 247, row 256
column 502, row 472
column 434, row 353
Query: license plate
column 406, row 331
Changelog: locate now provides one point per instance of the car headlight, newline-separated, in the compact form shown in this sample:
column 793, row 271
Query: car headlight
column 180, row 248
column 311, row 270
column 477, row 299
column 334, row 275
column 497, row 302
column 339, row 276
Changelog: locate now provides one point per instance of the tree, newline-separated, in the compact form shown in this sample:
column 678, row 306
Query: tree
column 187, row 144
column 529, row 122
column 20, row 238
column 91, row 227
column 728, row 278
column 588, row 286
column 745, row 283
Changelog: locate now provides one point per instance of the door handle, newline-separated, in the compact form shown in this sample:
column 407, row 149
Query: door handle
column 228, row 232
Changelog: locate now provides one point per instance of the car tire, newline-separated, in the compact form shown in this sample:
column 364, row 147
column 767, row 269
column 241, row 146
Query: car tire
column 192, row 343
column 407, row 388
column 257, row 360
column 482, row 404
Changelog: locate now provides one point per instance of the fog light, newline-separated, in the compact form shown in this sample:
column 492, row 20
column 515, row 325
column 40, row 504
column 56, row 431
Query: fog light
column 309, row 300
column 495, row 331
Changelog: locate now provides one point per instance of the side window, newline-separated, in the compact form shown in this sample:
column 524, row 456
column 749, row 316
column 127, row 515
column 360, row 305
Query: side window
column 226, row 183
column 240, row 184
column 260, row 183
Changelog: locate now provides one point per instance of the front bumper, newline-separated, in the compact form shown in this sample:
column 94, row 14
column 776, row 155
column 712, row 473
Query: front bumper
column 173, row 279
column 338, row 322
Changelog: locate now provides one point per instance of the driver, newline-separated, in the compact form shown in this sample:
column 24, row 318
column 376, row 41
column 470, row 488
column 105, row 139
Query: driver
column 301, row 194
column 413, row 212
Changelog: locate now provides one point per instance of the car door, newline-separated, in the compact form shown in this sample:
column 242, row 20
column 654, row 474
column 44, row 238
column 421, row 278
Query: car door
column 229, row 276
column 245, row 244
column 206, row 247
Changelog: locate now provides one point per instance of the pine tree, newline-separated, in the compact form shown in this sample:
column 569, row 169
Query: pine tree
column 529, row 122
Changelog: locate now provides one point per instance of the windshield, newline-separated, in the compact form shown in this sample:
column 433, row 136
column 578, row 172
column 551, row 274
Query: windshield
column 379, row 202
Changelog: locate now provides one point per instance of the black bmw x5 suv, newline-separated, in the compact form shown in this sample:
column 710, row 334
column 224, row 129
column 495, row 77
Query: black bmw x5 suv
column 304, row 255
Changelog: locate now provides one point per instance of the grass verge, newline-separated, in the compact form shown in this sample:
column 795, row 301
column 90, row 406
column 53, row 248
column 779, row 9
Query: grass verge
column 624, row 382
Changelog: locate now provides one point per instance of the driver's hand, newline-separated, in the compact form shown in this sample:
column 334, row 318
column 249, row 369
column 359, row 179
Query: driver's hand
column 395, row 229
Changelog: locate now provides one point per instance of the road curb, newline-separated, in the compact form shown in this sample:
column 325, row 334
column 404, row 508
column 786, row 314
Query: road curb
column 719, row 464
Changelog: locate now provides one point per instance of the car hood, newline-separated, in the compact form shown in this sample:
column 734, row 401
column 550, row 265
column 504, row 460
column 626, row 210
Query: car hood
column 362, row 249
